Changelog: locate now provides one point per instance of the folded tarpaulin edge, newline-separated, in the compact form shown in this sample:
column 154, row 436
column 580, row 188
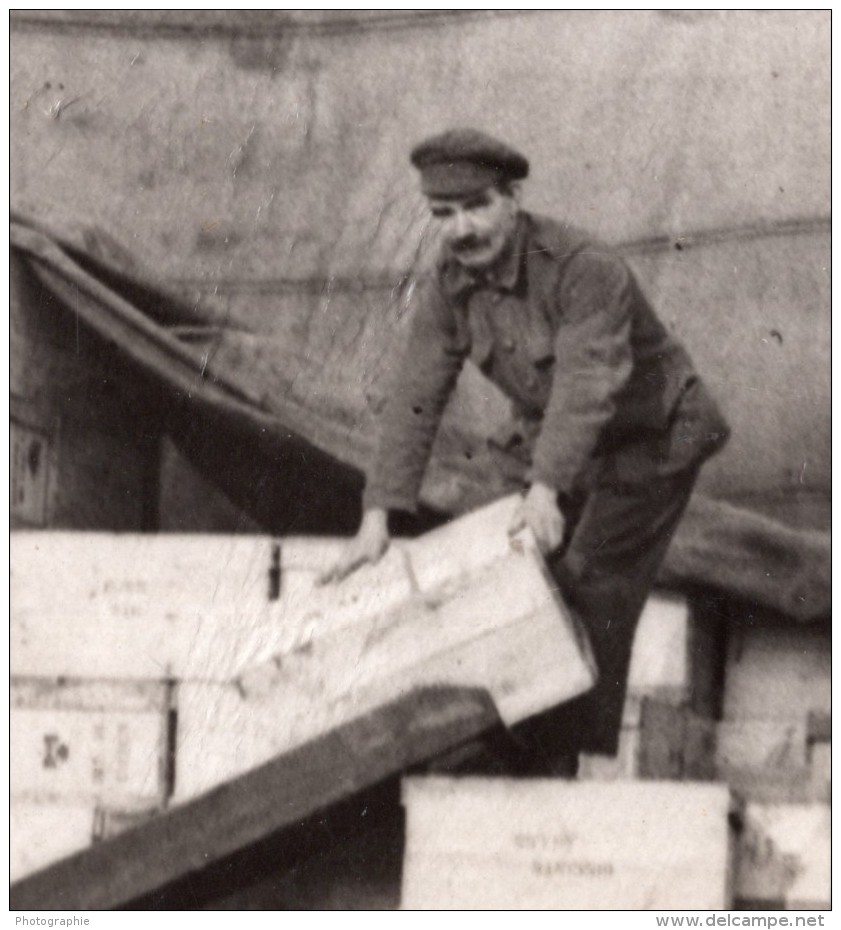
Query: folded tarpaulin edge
column 121, row 323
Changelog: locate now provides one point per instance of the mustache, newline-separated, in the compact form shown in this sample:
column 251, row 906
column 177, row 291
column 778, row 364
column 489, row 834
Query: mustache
column 468, row 244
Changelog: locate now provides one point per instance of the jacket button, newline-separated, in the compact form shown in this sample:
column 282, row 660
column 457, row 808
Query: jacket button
column 508, row 344
column 496, row 297
column 531, row 382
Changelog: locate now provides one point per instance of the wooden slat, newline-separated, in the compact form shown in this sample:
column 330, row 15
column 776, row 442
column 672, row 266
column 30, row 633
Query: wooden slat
column 278, row 796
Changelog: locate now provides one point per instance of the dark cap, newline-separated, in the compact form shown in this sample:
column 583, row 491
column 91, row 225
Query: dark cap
column 460, row 162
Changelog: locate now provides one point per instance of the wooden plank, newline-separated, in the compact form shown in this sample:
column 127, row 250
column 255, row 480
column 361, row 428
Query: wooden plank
column 784, row 857
column 274, row 798
column 550, row 843
column 127, row 696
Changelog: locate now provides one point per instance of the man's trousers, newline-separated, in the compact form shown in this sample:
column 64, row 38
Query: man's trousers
column 616, row 539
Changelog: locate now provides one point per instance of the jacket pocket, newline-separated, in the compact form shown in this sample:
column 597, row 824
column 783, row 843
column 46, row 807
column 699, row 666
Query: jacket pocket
column 698, row 428
column 695, row 430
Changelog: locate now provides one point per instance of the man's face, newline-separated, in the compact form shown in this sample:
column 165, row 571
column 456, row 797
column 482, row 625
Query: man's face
column 476, row 228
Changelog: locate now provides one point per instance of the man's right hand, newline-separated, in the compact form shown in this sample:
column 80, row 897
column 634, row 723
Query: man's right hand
column 366, row 548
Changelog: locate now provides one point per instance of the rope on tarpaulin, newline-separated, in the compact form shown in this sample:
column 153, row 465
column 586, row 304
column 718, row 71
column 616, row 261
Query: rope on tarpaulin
column 257, row 24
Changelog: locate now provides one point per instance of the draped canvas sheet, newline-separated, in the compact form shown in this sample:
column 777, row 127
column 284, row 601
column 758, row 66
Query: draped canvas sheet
column 263, row 156
column 240, row 406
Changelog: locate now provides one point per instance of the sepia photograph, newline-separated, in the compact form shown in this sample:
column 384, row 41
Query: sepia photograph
column 420, row 461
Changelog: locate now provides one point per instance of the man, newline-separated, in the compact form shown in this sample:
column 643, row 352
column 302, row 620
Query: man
column 612, row 420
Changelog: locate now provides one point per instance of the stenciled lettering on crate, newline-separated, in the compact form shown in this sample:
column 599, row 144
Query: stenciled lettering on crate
column 565, row 845
column 90, row 740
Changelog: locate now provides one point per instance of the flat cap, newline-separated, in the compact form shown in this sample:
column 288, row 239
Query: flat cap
column 460, row 162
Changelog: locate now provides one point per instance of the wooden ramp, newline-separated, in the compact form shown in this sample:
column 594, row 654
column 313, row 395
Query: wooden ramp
column 275, row 801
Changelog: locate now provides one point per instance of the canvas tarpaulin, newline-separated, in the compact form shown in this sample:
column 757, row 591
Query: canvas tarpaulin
column 243, row 408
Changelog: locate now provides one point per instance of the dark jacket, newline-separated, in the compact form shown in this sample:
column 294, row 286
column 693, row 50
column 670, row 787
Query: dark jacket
column 601, row 392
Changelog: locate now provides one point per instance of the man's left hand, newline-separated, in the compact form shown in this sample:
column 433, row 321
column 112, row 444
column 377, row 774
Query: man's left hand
column 539, row 511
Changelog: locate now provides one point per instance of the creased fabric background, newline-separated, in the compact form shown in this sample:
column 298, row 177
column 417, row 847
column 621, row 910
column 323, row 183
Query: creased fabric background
column 255, row 164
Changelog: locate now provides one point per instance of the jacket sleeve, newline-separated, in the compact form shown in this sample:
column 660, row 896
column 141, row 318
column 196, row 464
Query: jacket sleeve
column 593, row 362
column 420, row 385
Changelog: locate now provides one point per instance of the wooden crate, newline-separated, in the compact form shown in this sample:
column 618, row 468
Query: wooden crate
column 133, row 606
column 777, row 672
column 784, row 857
column 658, row 740
column 44, row 831
column 819, row 755
column 266, row 659
column 435, row 611
column 85, row 741
column 88, row 758
column 675, row 673
column 514, row 844
column 41, row 833
column 661, row 661
column 773, row 761
column 760, row 745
